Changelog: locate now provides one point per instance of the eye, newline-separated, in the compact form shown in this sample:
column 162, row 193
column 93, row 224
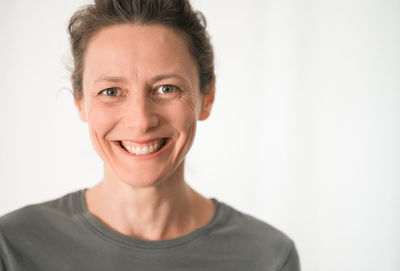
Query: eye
column 165, row 89
column 110, row 92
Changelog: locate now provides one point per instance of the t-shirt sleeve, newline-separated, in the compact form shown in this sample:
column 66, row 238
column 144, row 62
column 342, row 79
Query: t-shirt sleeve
column 291, row 262
column 2, row 265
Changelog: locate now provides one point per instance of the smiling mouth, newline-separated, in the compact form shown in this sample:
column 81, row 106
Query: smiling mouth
column 143, row 149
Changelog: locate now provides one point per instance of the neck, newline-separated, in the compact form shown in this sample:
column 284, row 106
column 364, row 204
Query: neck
column 167, row 210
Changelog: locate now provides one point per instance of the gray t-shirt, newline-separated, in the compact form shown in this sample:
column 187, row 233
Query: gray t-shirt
column 63, row 235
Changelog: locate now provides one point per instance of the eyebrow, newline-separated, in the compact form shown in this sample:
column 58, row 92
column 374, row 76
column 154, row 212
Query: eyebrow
column 119, row 79
column 165, row 76
column 112, row 79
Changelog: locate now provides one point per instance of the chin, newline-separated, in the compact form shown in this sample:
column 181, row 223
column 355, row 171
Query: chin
column 143, row 172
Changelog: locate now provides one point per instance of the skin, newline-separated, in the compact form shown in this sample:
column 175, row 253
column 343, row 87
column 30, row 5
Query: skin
column 146, row 198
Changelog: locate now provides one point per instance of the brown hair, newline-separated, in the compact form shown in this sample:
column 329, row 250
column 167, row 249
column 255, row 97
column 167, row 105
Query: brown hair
column 176, row 14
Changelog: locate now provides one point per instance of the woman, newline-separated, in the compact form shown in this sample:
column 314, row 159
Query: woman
column 143, row 75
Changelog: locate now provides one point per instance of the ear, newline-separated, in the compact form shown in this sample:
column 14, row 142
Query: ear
column 208, row 100
column 81, row 110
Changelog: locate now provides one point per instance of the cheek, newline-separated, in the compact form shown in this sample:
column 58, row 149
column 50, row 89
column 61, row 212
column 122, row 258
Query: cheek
column 183, row 114
column 100, row 120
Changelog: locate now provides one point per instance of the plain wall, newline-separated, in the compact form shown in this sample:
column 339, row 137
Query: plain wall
column 304, row 134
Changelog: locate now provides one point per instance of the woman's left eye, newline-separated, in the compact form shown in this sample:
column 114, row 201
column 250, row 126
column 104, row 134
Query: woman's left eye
column 165, row 89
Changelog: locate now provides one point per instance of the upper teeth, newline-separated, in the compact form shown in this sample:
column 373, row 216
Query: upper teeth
column 142, row 149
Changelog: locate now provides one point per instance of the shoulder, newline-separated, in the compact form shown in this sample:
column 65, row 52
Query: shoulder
column 252, row 236
column 29, row 234
column 37, row 215
column 255, row 229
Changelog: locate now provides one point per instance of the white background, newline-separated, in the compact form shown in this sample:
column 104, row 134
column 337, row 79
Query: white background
column 305, row 132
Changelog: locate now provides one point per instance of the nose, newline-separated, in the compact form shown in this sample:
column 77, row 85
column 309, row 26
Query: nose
column 139, row 114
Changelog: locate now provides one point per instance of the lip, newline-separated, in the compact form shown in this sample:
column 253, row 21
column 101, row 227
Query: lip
column 142, row 157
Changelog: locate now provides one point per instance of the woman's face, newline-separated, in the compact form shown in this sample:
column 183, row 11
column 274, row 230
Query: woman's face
column 141, row 100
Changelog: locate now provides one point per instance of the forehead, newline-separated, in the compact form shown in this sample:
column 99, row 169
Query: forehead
column 138, row 50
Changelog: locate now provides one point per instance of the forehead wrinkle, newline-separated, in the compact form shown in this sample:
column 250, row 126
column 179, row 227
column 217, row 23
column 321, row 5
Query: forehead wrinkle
column 137, row 66
column 136, row 72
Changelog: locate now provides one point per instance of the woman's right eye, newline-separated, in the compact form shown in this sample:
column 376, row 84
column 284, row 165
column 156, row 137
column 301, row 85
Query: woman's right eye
column 110, row 92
